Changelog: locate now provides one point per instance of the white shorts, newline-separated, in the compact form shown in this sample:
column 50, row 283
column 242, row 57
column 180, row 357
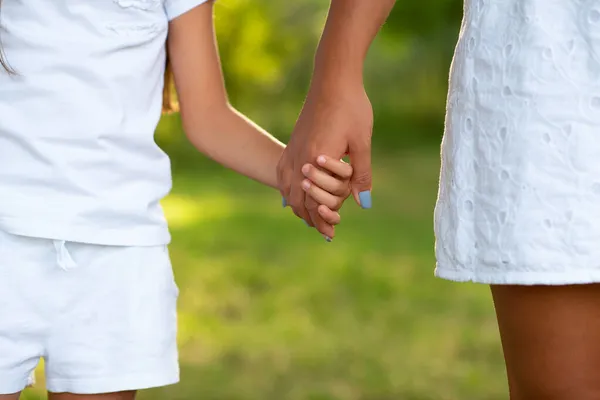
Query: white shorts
column 102, row 317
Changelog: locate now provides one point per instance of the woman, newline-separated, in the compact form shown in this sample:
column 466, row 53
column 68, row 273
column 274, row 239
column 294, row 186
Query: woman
column 519, row 198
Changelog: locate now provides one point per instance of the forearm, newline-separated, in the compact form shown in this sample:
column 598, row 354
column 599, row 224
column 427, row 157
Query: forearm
column 351, row 27
column 232, row 140
column 211, row 124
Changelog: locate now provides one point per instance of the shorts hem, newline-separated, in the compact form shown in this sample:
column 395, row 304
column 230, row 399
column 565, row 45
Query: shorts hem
column 16, row 385
column 528, row 278
column 112, row 384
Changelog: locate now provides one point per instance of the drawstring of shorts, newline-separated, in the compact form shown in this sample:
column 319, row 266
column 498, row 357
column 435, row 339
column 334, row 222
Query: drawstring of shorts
column 63, row 257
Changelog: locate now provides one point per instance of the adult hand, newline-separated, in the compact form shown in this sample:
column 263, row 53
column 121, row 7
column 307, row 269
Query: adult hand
column 337, row 118
column 334, row 123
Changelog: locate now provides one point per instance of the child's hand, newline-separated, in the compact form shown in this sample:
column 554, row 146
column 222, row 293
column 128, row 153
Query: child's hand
column 329, row 186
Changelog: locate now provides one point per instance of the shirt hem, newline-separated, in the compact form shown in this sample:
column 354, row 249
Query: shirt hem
column 80, row 233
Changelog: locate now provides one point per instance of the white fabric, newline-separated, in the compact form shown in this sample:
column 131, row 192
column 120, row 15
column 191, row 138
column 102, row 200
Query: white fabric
column 519, row 198
column 78, row 161
column 106, row 323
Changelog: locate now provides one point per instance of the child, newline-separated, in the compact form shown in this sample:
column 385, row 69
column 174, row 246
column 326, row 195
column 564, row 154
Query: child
column 85, row 277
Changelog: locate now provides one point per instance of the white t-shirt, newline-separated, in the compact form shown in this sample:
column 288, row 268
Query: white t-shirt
column 78, row 160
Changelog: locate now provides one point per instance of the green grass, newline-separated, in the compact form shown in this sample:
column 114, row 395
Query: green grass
column 270, row 311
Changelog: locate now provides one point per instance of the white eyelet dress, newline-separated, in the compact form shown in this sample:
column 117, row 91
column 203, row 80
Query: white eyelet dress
column 519, row 197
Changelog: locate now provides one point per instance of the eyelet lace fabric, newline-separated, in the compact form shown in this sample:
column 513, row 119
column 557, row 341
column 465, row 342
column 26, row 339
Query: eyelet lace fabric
column 519, row 196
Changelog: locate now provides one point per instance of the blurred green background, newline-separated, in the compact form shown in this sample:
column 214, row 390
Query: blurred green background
column 268, row 309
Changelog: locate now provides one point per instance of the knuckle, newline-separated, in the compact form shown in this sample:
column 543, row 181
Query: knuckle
column 297, row 214
column 362, row 178
column 341, row 189
column 362, row 142
column 336, row 204
column 310, row 171
column 329, row 203
column 318, row 197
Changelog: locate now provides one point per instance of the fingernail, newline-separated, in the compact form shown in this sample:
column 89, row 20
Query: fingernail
column 321, row 160
column 283, row 202
column 306, row 223
column 365, row 199
column 306, row 169
column 327, row 238
column 305, row 185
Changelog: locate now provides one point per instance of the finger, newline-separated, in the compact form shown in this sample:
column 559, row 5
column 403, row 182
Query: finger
column 325, row 181
column 337, row 167
column 361, row 181
column 327, row 230
column 319, row 196
column 329, row 216
column 297, row 198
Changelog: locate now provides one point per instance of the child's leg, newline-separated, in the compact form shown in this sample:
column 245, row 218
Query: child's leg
column 108, row 396
column 551, row 340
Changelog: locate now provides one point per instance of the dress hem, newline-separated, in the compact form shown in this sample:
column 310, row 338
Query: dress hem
column 529, row 278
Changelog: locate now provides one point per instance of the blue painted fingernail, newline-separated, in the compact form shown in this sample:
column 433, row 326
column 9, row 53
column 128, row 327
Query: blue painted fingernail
column 306, row 223
column 327, row 238
column 365, row 199
column 283, row 202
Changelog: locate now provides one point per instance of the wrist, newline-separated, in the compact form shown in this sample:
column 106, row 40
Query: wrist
column 337, row 69
column 335, row 83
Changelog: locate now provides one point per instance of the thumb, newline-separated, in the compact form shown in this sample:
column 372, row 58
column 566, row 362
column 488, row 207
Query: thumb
column 361, row 181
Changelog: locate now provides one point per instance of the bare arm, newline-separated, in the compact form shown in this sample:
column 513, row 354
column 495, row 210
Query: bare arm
column 210, row 122
column 351, row 27
column 337, row 117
